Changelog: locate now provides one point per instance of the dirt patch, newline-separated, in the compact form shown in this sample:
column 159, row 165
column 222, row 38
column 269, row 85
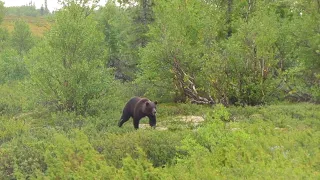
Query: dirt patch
column 182, row 120
column 191, row 119
column 147, row 126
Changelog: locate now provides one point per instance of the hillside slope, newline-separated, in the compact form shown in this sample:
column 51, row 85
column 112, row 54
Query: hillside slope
column 38, row 25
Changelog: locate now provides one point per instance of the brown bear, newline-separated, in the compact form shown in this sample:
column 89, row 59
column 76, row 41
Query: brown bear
column 138, row 108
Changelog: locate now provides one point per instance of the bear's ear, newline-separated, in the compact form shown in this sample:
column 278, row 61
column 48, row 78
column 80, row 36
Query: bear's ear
column 156, row 102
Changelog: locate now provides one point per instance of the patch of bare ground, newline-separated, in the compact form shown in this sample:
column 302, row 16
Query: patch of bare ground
column 196, row 120
column 147, row 126
column 192, row 120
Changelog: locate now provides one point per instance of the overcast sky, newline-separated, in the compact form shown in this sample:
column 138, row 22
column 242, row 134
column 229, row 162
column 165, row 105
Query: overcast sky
column 52, row 4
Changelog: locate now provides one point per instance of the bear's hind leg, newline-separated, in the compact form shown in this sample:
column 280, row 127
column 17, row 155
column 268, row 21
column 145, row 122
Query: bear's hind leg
column 123, row 119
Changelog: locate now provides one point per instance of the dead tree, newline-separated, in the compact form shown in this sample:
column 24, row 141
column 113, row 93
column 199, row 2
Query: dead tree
column 187, row 85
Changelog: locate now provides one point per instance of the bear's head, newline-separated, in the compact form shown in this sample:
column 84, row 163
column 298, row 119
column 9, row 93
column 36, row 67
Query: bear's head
column 151, row 108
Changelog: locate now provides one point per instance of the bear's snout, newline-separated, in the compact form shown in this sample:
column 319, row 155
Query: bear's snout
column 154, row 112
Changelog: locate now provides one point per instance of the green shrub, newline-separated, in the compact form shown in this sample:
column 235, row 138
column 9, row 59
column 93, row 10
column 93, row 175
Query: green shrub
column 282, row 115
column 255, row 149
column 22, row 158
column 11, row 99
column 159, row 146
column 12, row 66
column 138, row 168
column 66, row 121
column 11, row 128
column 73, row 157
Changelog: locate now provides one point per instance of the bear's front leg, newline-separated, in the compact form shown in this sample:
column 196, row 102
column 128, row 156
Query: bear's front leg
column 136, row 123
column 152, row 121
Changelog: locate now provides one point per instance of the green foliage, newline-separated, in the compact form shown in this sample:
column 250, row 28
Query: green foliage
column 13, row 99
column 249, row 58
column 22, row 39
column 171, row 110
column 277, row 141
column 116, row 24
column 4, row 38
column 139, row 168
column 220, row 151
column 125, row 27
column 159, row 146
column 2, row 11
column 184, row 40
column 220, row 113
column 263, row 43
column 302, row 116
column 48, row 154
column 12, row 66
column 74, row 157
column 10, row 128
column 68, row 67
column 308, row 38
column 22, row 157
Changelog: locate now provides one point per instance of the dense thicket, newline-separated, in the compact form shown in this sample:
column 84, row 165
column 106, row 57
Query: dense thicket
column 244, row 52
column 247, row 52
column 233, row 52
column 62, row 93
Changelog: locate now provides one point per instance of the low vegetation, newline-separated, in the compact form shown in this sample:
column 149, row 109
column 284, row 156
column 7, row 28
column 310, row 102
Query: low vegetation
column 276, row 141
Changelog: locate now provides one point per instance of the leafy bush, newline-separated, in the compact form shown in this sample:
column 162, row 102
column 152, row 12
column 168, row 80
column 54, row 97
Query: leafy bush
column 73, row 157
column 12, row 66
column 22, row 158
column 22, row 40
column 10, row 128
column 138, row 168
column 13, row 99
column 67, row 67
column 282, row 115
column 159, row 146
column 254, row 149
